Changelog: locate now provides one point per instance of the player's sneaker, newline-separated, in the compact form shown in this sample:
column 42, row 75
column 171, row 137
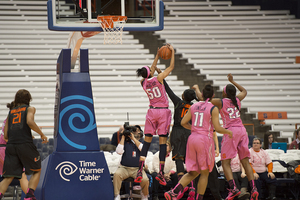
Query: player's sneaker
column 30, row 198
column 139, row 176
column 254, row 194
column 181, row 193
column 192, row 193
column 170, row 195
column 233, row 193
column 160, row 178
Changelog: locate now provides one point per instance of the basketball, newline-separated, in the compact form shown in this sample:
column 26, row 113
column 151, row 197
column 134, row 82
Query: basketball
column 165, row 53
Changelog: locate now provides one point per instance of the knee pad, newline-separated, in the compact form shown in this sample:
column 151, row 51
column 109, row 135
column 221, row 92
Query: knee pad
column 162, row 152
column 145, row 148
column 179, row 165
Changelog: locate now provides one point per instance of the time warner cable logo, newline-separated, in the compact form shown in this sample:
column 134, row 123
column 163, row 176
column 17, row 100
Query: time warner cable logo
column 88, row 170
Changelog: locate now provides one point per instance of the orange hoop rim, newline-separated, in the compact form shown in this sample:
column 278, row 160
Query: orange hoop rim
column 112, row 18
column 109, row 19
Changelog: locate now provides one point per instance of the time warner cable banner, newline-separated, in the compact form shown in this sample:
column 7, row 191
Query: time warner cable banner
column 77, row 169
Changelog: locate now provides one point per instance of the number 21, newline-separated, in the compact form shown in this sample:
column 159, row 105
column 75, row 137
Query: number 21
column 17, row 118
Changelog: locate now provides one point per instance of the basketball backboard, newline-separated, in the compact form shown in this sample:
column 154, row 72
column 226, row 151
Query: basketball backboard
column 81, row 15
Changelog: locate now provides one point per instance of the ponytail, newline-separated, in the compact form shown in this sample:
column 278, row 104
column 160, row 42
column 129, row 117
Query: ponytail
column 208, row 92
column 11, row 105
column 231, row 94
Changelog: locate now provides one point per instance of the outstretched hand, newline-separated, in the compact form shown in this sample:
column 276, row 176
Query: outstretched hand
column 230, row 77
column 170, row 47
column 195, row 87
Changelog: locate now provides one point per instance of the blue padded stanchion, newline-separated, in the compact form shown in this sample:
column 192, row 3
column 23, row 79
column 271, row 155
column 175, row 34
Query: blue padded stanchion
column 76, row 169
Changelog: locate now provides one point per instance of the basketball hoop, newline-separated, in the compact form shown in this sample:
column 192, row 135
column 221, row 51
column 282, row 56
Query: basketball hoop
column 113, row 28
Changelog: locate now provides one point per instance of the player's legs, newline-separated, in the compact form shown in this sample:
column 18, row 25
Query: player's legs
column 12, row 167
column 178, row 140
column 32, row 184
column 163, row 127
column 162, row 157
column 34, row 180
column 227, row 169
column 248, row 168
column 184, row 181
column 150, row 129
column 31, row 160
column 250, row 176
column 202, row 184
column 4, row 185
column 24, row 183
column 146, row 146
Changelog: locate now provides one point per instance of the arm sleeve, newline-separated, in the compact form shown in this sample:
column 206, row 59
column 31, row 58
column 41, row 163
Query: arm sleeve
column 270, row 167
column 175, row 99
column 120, row 149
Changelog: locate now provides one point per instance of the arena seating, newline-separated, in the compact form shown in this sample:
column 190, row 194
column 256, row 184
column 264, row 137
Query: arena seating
column 29, row 56
column 258, row 47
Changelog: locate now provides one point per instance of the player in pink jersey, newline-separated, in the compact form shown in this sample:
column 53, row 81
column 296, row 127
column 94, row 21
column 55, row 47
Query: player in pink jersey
column 230, row 111
column 200, row 152
column 158, row 118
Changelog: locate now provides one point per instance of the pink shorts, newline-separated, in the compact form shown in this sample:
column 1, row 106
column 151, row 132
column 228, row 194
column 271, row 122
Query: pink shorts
column 158, row 121
column 237, row 144
column 200, row 153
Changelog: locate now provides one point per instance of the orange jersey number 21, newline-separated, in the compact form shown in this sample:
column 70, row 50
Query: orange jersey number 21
column 17, row 118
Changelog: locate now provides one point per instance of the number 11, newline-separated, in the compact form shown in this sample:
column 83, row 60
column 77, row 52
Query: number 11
column 197, row 114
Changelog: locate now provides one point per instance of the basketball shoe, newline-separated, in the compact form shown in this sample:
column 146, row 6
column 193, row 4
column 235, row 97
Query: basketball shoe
column 181, row 193
column 254, row 194
column 139, row 176
column 233, row 193
column 160, row 178
column 192, row 193
column 30, row 198
column 170, row 195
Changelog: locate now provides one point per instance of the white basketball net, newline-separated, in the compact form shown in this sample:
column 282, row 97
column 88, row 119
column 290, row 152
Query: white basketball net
column 113, row 29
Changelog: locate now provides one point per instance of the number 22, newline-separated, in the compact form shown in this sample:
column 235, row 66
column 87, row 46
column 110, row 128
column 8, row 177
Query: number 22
column 233, row 113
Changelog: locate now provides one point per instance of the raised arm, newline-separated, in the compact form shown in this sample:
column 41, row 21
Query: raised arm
column 167, row 71
column 153, row 66
column 243, row 91
column 198, row 92
column 174, row 98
